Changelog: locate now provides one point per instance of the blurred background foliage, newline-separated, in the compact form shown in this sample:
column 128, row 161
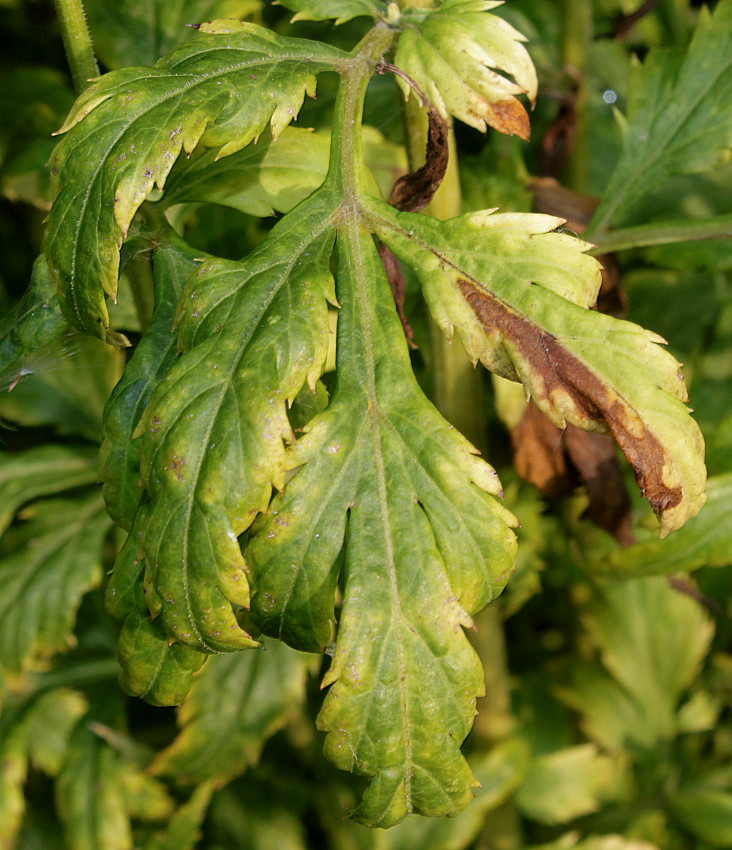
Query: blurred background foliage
column 607, row 724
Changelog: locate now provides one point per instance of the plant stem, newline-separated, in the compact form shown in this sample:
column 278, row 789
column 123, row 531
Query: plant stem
column 77, row 42
column 576, row 40
column 665, row 233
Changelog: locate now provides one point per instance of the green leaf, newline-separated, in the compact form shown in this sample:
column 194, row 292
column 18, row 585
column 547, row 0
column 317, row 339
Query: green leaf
column 33, row 324
column 155, row 354
column 499, row 773
column 237, row 703
column 56, row 560
column 567, row 784
column 127, row 129
column 153, row 668
column 651, row 640
column 90, row 795
column 67, row 389
column 36, row 731
column 707, row 814
column 454, row 53
column 41, row 471
column 267, row 176
column 341, row 10
column 184, row 828
column 254, row 333
column 517, row 294
column 678, row 121
column 139, row 32
column 706, row 540
column 384, row 477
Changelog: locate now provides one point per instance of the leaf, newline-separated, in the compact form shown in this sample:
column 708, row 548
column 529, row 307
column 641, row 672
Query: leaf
column 706, row 540
column 499, row 772
column 67, row 389
column 517, row 293
column 567, row 784
column 127, row 129
column 341, row 10
column 139, row 32
column 707, row 814
column 55, row 562
column 153, row 669
column 90, row 796
column 267, row 176
column 451, row 54
column 677, row 120
column 254, row 333
column 237, row 703
column 155, row 354
column 37, row 731
column 183, row 829
column 33, row 324
column 41, row 471
column 651, row 641
column 384, row 477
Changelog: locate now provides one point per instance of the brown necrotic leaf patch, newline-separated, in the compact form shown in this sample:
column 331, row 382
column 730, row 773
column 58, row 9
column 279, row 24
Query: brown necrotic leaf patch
column 559, row 379
column 412, row 192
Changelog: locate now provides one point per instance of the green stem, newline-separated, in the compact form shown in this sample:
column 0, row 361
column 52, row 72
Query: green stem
column 77, row 42
column 346, row 155
column 576, row 41
column 665, row 233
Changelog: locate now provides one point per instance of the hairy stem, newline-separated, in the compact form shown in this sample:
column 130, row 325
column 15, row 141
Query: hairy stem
column 665, row 233
column 77, row 42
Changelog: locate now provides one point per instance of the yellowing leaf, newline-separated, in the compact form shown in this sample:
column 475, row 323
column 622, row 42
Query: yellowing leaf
column 454, row 53
column 508, row 284
column 219, row 90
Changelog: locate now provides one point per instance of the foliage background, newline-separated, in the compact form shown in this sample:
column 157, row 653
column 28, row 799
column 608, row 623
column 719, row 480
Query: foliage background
column 609, row 672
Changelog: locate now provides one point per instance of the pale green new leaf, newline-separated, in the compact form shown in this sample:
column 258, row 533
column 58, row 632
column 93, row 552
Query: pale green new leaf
column 678, row 120
column 393, row 498
column 41, row 471
column 253, row 333
column 517, row 294
column 219, row 90
column 341, row 10
column 267, row 176
column 237, row 703
column 139, row 32
column 455, row 54
column 56, row 560
column 651, row 641
column 705, row 541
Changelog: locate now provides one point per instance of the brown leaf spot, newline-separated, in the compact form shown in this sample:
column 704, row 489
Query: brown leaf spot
column 558, row 374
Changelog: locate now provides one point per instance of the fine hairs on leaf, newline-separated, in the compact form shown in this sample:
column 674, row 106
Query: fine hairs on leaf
column 357, row 522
